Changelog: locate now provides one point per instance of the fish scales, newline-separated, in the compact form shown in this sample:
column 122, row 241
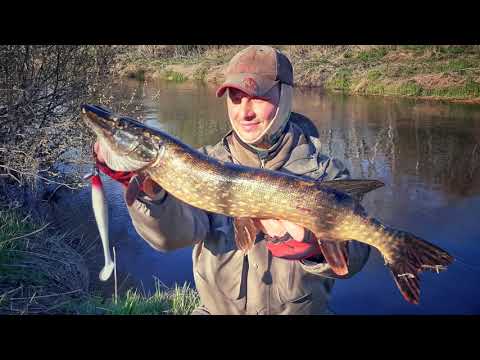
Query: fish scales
column 267, row 195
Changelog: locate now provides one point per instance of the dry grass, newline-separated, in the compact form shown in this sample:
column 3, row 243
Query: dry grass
column 447, row 72
column 43, row 272
column 40, row 271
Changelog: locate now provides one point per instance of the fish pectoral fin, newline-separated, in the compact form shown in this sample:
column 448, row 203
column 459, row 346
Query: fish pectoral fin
column 336, row 254
column 133, row 189
column 246, row 230
column 355, row 188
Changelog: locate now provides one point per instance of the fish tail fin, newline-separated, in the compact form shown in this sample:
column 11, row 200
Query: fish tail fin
column 417, row 255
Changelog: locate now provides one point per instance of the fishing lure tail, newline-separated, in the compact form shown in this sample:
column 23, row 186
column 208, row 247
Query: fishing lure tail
column 100, row 210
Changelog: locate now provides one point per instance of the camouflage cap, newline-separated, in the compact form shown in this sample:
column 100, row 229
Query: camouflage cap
column 256, row 69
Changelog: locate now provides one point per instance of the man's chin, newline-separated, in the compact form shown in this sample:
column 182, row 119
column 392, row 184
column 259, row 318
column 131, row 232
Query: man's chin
column 249, row 136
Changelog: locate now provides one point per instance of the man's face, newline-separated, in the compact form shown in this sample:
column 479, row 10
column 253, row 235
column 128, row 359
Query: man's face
column 252, row 115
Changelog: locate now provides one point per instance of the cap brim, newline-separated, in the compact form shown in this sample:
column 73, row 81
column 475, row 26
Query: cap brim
column 263, row 85
column 221, row 90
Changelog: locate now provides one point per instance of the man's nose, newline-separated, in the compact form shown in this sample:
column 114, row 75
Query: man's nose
column 246, row 111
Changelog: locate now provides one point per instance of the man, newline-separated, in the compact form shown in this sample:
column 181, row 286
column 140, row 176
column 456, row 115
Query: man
column 285, row 270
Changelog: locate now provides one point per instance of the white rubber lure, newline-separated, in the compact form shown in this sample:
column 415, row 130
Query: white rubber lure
column 100, row 210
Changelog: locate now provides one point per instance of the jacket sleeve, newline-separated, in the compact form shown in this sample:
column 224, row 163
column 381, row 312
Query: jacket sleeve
column 168, row 223
column 358, row 253
column 332, row 169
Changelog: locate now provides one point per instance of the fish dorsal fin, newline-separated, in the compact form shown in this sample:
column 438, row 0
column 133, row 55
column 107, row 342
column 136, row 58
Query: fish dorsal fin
column 356, row 188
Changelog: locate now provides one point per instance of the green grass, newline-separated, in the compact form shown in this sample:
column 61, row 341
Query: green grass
column 316, row 61
column 389, row 70
column 180, row 300
column 375, row 88
column 367, row 73
column 12, row 225
column 470, row 89
column 171, row 75
column 43, row 274
column 371, row 55
column 39, row 270
column 13, row 271
column 341, row 80
column 201, row 72
column 374, row 74
column 398, row 71
column 455, row 49
column 410, row 88
column 461, row 65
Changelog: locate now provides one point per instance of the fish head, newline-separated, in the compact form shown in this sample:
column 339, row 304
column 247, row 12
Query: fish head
column 127, row 144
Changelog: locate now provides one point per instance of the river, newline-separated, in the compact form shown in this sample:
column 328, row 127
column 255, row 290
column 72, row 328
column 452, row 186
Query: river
column 427, row 153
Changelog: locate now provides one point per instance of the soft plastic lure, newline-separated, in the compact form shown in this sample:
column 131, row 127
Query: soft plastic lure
column 100, row 210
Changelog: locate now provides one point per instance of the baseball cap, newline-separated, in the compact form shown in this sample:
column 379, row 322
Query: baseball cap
column 256, row 69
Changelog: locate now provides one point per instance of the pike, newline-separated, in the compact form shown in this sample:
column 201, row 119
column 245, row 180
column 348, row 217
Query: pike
column 331, row 210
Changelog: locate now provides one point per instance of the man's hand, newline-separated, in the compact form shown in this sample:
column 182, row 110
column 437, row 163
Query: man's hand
column 134, row 183
column 98, row 152
column 292, row 244
column 297, row 247
column 279, row 228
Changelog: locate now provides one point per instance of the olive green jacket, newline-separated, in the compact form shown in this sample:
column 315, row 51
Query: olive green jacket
column 230, row 282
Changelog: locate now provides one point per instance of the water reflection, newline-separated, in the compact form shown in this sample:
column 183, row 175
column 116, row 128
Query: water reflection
column 427, row 153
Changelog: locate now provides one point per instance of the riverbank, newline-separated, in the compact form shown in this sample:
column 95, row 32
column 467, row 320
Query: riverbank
column 46, row 272
column 450, row 73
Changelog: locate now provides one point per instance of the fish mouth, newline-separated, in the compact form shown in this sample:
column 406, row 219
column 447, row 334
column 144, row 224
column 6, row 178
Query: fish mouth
column 98, row 119
column 121, row 138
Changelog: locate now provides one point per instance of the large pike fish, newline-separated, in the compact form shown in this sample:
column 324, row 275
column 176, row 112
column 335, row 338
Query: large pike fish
column 330, row 210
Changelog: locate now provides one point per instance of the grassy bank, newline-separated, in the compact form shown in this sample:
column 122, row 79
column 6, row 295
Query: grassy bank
column 179, row 300
column 42, row 272
column 437, row 72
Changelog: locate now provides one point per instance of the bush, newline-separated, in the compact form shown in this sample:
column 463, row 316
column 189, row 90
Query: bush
column 41, row 90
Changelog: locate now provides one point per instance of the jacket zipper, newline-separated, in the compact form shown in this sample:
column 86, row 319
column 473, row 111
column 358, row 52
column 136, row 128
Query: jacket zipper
column 262, row 157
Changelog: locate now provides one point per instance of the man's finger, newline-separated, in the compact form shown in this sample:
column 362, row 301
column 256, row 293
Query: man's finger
column 133, row 189
column 273, row 227
column 98, row 151
column 150, row 187
column 297, row 232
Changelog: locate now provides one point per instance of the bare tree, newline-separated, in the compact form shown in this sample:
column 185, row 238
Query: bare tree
column 41, row 87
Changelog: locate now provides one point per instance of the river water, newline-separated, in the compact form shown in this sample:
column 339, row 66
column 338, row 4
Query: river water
column 427, row 154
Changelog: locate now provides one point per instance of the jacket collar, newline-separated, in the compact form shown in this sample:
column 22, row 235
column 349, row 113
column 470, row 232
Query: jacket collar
column 302, row 159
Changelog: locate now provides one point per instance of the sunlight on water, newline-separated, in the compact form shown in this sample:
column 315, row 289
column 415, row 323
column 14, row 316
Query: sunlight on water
column 427, row 153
